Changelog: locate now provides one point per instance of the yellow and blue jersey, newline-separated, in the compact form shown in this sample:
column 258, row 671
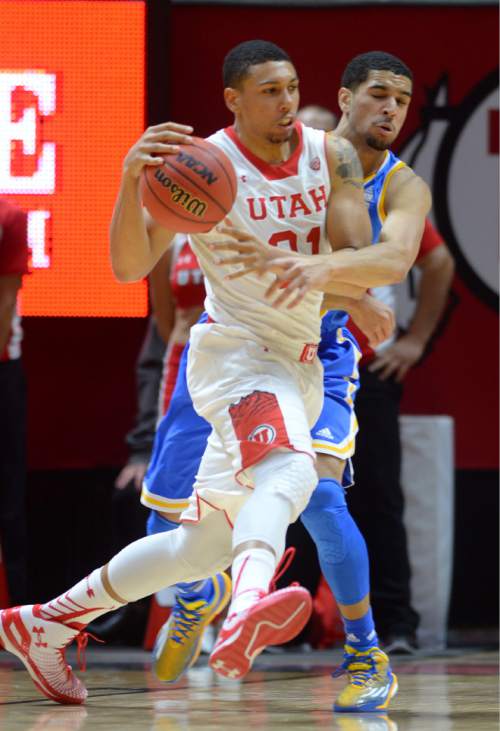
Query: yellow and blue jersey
column 375, row 188
column 336, row 429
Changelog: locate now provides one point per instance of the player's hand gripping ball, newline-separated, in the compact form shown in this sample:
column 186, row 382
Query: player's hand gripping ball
column 193, row 190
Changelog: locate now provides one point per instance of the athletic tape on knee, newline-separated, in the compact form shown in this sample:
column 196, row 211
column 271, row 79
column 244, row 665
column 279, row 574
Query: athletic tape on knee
column 290, row 474
column 341, row 547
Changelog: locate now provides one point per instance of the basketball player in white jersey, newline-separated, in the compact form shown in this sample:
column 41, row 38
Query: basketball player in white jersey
column 253, row 373
column 374, row 97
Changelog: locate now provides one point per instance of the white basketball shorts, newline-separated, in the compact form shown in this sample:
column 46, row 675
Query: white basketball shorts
column 257, row 398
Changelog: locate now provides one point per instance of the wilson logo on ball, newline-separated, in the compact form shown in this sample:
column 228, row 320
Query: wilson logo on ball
column 192, row 190
column 181, row 196
column 197, row 167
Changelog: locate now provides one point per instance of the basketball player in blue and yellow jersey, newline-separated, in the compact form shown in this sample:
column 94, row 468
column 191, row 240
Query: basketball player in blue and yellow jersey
column 374, row 97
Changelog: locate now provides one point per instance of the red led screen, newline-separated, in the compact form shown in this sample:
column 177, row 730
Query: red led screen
column 71, row 104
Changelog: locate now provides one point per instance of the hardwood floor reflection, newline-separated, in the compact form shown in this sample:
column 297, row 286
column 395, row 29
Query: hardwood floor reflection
column 453, row 692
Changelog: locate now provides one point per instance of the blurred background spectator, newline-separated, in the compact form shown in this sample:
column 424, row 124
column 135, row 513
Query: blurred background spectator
column 13, row 264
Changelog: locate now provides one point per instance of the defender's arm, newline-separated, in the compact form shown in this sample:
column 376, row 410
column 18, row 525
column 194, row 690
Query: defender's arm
column 408, row 202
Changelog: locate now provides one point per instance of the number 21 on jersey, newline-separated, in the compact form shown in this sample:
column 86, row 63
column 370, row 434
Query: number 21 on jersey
column 291, row 238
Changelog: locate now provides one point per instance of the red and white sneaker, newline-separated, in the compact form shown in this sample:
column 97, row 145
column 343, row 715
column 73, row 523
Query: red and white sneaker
column 274, row 619
column 40, row 644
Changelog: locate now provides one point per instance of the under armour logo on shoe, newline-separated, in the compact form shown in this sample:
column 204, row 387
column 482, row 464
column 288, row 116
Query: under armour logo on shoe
column 220, row 665
column 39, row 631
column 90, row 591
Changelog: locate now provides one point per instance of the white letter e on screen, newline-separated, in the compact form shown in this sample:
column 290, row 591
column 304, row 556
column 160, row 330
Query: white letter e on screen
column 24, row 129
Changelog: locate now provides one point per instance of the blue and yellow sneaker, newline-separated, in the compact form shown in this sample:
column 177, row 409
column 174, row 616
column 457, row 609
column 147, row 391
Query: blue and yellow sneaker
column 371, row 684
column 178, row 643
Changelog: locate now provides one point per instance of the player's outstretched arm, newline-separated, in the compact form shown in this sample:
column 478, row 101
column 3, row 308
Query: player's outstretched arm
column 408, row 201
column 136, row 241
column 253, row 255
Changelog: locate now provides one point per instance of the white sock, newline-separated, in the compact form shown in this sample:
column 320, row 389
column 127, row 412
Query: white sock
column 83, row 603
column 252, row 572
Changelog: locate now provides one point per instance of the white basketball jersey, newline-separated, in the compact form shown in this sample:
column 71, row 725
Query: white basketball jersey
column 285, row 206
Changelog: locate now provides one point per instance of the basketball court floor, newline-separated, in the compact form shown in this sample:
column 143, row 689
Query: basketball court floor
column 456, row 690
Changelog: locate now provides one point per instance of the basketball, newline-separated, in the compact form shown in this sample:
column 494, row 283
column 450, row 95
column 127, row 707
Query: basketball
column 192, row 190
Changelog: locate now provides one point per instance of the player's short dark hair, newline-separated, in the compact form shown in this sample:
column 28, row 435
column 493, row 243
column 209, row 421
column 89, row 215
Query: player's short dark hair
column 249, row 53
column 358, row 68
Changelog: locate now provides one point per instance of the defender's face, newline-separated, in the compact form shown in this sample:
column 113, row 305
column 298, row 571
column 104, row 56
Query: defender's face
column 267, row 102
column 378, row 108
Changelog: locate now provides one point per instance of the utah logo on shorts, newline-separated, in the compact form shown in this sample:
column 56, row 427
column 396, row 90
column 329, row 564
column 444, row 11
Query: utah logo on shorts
column 259, row 426
column 265, row 434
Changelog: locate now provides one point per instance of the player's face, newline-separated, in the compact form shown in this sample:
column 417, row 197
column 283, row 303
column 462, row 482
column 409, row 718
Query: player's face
column 268, row 100
column 379, row 107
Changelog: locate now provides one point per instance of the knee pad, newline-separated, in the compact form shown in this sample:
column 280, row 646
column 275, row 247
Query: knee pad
column 341, row 547
column 326, row 518
column 156, row 523
column 290, row 474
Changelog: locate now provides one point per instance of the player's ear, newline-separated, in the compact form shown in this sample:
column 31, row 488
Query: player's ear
column 344, row 98
column 231, row 98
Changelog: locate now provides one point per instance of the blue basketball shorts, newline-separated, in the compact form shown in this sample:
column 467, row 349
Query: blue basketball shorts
column 180, row 441
column 182, row 434
column 335, row 431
